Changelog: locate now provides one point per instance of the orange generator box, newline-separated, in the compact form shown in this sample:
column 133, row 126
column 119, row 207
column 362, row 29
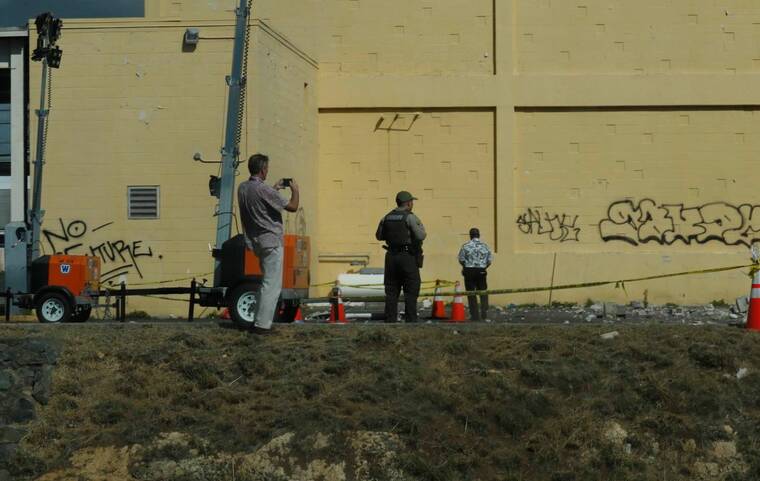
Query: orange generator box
column 80, row 275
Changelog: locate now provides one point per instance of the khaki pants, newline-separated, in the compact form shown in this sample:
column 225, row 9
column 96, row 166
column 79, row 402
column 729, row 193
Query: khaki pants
column 270, row 259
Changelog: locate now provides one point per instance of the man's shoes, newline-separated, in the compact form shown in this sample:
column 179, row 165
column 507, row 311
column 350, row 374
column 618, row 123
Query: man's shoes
column 261, row 331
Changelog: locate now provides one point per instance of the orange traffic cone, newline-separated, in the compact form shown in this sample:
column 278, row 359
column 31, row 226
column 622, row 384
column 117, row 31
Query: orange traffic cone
column 457, row 309
column 225, row 313
column 337, row 309
column 439, row 308
column 299, row 315
column 753, row 313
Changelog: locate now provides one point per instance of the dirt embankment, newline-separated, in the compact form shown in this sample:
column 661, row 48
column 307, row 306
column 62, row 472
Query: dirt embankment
column 373, row 402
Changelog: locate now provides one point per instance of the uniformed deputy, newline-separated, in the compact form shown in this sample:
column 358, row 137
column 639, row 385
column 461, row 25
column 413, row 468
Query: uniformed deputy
column 403, row 234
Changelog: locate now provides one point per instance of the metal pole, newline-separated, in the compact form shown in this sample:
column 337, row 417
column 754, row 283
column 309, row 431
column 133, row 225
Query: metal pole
column 192, row 301
column 8, row 304
column 230, row 151
column 35, row 215
column 123, row 303
column 551, row 286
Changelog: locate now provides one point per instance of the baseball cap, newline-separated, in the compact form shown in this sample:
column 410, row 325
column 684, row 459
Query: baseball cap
column 404, row 196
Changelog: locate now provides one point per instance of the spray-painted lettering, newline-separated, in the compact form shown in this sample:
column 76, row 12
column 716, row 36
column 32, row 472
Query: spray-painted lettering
column 117, row 257
column 666, row 224
column 558, row 227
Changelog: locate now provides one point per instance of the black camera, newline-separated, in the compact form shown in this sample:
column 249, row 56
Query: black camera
column 286, row 182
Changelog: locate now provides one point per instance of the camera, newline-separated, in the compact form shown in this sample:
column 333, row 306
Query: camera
column 286, row 182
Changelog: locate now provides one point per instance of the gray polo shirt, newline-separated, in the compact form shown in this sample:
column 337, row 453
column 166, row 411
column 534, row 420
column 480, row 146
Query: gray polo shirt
column 261, row 213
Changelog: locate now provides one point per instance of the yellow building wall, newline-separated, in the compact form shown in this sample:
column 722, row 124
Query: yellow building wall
column 444, row 157
column 364, row 37
column 642, row 37
column 130, row 108
column 562, row 110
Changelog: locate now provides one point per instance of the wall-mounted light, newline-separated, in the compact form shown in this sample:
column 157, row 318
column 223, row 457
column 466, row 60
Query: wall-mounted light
column 192, row 35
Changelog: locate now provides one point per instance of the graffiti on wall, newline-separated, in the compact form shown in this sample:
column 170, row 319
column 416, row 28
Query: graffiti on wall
column 666, row 224
column 117, row 257
column 557, row 227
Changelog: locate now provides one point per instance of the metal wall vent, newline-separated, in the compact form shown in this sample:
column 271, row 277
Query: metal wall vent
column 143, row 202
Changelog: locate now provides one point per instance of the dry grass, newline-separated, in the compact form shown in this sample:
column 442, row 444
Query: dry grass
column 489, row 402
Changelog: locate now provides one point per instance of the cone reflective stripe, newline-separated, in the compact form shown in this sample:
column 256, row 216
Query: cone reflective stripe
column 753, row 314
column 457, row 308
column 439, row 308
column 337, row 309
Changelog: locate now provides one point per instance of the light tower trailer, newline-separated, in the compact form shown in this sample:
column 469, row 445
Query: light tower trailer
column 58, row 287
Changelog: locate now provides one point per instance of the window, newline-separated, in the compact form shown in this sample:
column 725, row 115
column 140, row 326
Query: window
column 5, row 122
column 143, row 202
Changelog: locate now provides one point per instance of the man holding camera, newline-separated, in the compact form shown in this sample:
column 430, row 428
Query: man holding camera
column 403, row 234
column 261, row 215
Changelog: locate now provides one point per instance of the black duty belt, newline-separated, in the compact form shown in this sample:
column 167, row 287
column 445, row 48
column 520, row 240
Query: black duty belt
column 398, row 249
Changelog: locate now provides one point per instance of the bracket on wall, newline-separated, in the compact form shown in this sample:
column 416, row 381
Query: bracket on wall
column 396, row 117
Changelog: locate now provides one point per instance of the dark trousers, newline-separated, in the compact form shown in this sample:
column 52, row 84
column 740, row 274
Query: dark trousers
column 401, row 271
column 475, row 280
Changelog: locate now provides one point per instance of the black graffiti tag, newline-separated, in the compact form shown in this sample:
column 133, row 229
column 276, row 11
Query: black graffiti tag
column 666, row 224
column 119, row 256
column 558, row 227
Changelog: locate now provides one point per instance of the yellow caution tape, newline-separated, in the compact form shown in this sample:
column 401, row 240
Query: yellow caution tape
column 441, row 283
column 167, row 281
column 620, row 283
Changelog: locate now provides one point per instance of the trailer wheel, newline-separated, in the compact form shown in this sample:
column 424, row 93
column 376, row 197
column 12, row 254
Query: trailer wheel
column 242, row 304
column 82, row 313
column 53, row 307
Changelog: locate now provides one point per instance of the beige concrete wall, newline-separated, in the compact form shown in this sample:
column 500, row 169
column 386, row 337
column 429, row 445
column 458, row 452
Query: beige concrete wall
column 364, row 37
column 643, row 37
column 130, row 107
column 444, row 157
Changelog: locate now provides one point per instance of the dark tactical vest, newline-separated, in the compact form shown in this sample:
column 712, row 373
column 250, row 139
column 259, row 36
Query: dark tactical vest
column 395, row 231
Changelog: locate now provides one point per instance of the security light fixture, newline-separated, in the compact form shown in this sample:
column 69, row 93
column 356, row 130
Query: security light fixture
column 192, row 35
column 48, row 33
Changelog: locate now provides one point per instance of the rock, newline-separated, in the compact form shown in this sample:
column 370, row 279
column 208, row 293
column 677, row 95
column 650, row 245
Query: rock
column 615, row 434
column 742, row 372
column 610, row 309
column 689, row 445
column 597, row 309
column 21, row 410
column 655, row 448
column 706, row 470
column 742, row 304
column 7, row 452
column 34, row 353
column 637, row 305
column 709, row 308
column 733, row 316
column 728, row 430
column 7, row 380
column 11, row 435
column 42, row 385
column 590, row 318
column 610, row 335
column 627, row 448
column 724, row 449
